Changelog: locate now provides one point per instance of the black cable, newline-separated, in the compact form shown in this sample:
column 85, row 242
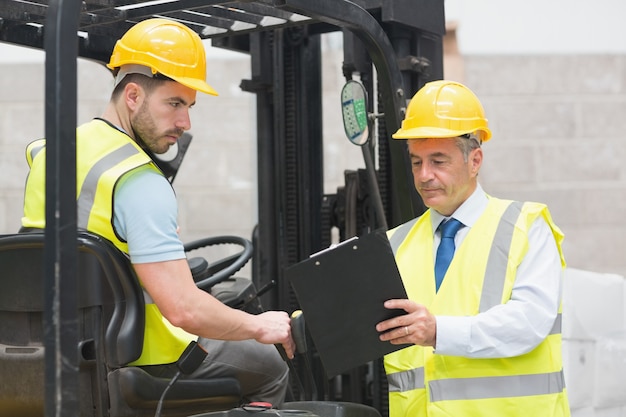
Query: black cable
column 169, row 385
column 188, row 362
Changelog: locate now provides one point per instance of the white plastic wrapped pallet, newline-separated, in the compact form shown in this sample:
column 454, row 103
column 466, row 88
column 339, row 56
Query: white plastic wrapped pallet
column 594, row 343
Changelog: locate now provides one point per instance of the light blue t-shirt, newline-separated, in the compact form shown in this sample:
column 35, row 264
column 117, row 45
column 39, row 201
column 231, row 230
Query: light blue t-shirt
column 145, row 216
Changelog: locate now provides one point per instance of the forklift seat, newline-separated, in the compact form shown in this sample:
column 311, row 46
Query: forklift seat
column 111, row 324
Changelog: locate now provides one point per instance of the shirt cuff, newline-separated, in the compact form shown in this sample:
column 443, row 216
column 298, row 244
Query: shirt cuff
column 136, row 258
column 453, row 335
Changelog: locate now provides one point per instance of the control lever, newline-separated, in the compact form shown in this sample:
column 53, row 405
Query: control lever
column 293, row 372
column 259, row 293
column 298, row 332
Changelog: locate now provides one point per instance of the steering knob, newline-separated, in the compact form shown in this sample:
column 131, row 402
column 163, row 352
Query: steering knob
column 199, row 268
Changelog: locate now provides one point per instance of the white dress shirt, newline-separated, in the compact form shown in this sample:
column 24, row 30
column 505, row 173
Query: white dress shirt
column 518, row 326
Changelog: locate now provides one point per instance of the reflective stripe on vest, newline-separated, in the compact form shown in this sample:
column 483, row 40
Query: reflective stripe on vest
column 33, row 149
column 400, row 234
column 495, row 272
column 556, row 327
column 406, row 380
column 496, row 387
column 146, row 297
column 494, row 281
column 87, row 194
column 478, row 388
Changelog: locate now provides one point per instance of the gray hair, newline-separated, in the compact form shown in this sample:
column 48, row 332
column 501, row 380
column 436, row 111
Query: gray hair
column 467, row 143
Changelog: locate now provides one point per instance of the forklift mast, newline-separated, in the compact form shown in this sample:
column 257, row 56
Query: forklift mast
column 392, row 47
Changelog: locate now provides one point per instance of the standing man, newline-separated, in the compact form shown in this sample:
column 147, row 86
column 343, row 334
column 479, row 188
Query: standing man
column 485, row 331
column 159, row 65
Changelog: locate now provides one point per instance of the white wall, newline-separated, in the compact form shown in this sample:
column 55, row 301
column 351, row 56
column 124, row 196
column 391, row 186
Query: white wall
column 494, row 27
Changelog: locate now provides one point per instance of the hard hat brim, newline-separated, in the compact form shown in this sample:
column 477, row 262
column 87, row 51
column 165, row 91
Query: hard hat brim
column 435, row 132
column 196, row 84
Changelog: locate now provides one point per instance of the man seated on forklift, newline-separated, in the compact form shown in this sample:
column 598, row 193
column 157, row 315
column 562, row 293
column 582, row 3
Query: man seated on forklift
column 159, row 65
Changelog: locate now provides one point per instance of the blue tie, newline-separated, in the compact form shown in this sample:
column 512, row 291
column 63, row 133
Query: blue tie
column 445, row 251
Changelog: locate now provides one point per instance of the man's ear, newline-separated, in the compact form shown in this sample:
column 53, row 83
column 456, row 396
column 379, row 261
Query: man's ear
column 133, row 96
column 476, row 160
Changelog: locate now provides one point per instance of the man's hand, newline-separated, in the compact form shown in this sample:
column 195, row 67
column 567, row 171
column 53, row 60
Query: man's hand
column 275, row 328
column 173, row 290
column 419, row 326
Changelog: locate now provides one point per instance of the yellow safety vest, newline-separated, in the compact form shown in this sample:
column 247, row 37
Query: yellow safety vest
column 104, row 155
column 422, row 383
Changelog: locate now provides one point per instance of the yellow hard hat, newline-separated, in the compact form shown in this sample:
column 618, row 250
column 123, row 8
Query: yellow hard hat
column 166, row 47
column 444, row 109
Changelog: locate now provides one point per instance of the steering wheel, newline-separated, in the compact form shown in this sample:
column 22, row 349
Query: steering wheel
column 206, row 275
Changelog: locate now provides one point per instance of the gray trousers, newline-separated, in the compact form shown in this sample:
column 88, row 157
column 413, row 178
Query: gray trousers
column 262, row 373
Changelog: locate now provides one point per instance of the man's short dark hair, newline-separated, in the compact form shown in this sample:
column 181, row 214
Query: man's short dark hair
column 147, row 83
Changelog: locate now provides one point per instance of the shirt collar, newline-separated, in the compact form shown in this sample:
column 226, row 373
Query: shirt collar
column 467, row 213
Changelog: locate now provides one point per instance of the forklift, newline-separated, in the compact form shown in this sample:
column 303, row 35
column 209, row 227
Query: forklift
column 70, row 323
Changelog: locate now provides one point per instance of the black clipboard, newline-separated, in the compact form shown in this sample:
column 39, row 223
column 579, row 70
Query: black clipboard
column 341, row 291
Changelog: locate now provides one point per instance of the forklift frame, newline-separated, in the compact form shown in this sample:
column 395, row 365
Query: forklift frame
column 402, row 38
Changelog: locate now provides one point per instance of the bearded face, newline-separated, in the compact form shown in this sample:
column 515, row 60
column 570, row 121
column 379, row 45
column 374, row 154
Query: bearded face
column 162, row 116
column 149, row 135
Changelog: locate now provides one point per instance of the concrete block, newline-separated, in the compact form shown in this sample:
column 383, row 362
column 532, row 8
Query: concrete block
column 508, row 164
column 610, row 371
column 95, row 81
column 545, row 74
column 578, row 367
column 610, row 412
column 601, row 118
column 88, row 110
column 13, row 210
column 544, row 120
column 602, row 162
column 593, row 304
column 225, row 167
column 22, row 82
column 583, row 251
column 583, row 412
column 225, row 74
column 600, row 74
column 219, row 120
column 502, row 80
column 223, row 211
column 13, row 161
column 21, row 123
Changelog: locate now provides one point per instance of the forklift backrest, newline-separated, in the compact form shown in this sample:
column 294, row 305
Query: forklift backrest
column 111, row 320
column 107, row 306
column 100, row 266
